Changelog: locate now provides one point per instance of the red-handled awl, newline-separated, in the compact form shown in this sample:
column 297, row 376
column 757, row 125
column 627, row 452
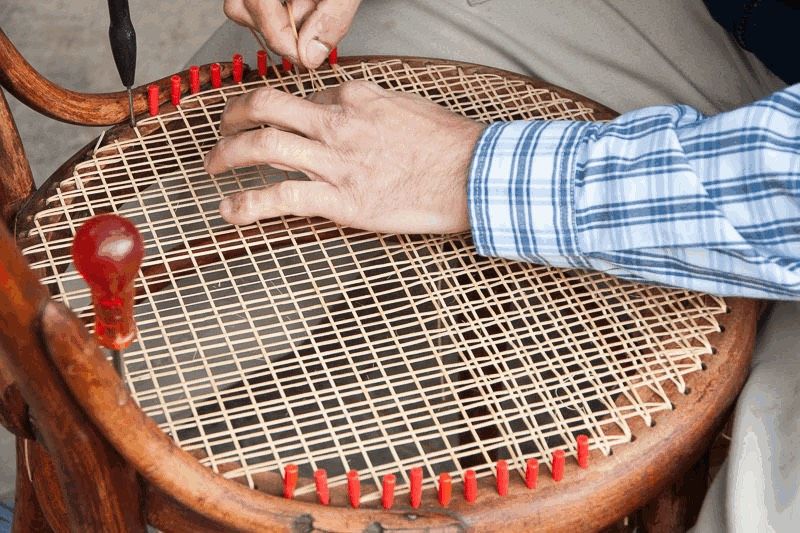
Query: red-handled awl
column 107, row 251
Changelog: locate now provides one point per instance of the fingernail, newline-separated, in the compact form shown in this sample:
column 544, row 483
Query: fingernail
column 316, row 52
column 225, row 208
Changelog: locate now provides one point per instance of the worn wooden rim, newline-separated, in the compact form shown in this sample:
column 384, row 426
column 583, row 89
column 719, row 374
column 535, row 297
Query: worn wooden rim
column 54, row 101
column 585, row 500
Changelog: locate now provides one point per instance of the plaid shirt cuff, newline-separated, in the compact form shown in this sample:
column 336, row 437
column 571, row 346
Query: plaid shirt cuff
column 520, row 191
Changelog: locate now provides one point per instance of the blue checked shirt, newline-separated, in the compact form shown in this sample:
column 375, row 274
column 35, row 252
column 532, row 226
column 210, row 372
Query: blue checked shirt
column 662, row 194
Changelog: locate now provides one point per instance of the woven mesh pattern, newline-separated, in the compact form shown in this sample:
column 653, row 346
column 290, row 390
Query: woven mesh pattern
column 297, row 341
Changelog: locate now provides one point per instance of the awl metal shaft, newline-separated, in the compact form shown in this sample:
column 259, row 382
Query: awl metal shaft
column 123, row 46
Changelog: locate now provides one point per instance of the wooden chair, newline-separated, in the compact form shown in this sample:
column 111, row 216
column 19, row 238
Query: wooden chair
column 90, row 459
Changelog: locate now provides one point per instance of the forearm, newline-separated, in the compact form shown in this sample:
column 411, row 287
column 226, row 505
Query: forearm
column 661, row 194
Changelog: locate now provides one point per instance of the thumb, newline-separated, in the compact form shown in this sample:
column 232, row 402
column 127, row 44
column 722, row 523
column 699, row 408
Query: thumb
column 323, row 29
column 290, row 197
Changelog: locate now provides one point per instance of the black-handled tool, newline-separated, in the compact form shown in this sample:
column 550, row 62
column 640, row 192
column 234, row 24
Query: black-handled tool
column 123, row 46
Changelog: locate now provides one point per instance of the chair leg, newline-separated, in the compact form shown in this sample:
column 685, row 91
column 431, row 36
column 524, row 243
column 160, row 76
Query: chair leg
column 677, row 508
column 28, row 516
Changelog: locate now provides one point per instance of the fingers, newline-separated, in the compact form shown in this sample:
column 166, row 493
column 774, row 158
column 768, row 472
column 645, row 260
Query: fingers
column 326, row 97
column 271, row 18
column 275, row 108
column 323, row 29
column 350, row 92
column 301, row 198
column 321, row 25
column 301, row 10
column 235, row 10
column 269, row 147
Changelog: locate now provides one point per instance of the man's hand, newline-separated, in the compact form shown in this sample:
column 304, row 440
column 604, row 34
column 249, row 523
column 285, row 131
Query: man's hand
column 377, row 160
column 321, row 24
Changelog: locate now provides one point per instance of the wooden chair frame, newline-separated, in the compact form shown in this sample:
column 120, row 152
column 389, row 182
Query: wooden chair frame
column 84, row 466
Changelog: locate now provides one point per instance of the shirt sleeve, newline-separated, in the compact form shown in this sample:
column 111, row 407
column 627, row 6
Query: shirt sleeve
column 662, row 194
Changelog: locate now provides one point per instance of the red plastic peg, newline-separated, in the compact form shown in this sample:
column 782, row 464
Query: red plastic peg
column 152, row 99
column 583, row 451
column 262, row 62
column 287, row 65
column 531, row 473
column 354, row 488
column 175, row 89
column 470, row 486
column 289, row 481
column 445, row 489
column 216, row 76
column 321, row 481
column 107, row 251
column 415, row 490
column 387, row 498
column 333, row 57
column 502, row 477
column 558, row 465
column 238, row 68
column 194, row 79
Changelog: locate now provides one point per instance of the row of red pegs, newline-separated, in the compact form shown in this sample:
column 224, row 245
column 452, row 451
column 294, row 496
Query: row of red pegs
column 216, row 78
column 445, row 481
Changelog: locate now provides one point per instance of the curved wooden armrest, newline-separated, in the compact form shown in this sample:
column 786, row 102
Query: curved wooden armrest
column 86, row 109
column 100, row 488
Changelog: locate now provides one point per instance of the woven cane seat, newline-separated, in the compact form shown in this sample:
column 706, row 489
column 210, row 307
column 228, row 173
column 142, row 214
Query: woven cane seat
column 297, row 341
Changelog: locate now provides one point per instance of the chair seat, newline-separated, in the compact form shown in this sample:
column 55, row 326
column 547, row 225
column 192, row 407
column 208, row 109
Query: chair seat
column 296, row 341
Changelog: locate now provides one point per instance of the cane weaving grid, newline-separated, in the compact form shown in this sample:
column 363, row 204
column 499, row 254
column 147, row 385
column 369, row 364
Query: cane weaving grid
column 296, row 341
